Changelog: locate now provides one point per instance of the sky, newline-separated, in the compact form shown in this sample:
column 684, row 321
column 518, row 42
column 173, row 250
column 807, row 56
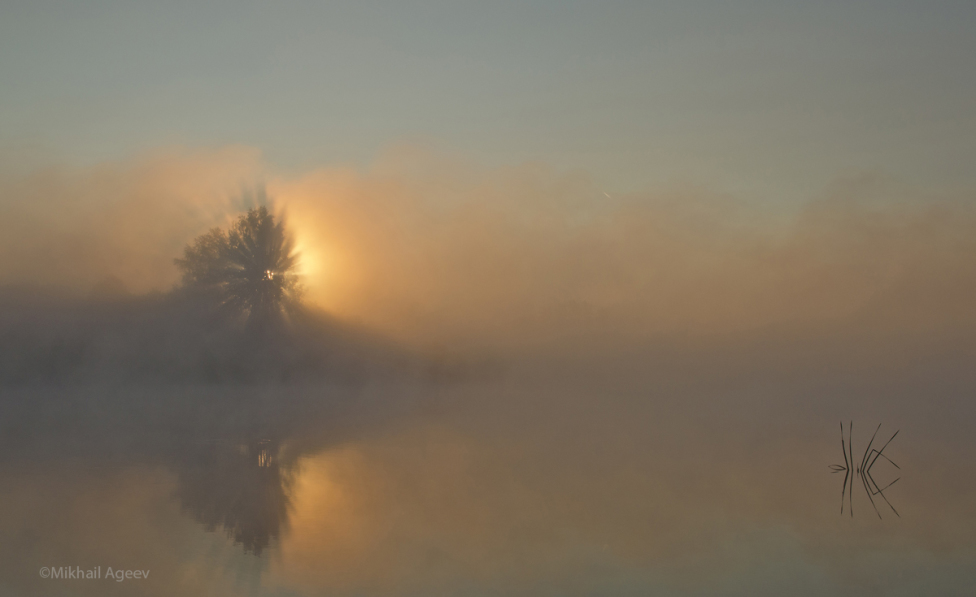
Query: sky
column 770, row 101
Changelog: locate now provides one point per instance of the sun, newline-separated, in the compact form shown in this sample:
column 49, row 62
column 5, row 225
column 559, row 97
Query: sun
column 309, row 263
column 313, row 267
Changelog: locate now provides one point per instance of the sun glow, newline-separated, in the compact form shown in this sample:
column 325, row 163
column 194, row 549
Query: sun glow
column 315, row 267
column 308, row 262
column 326, row 242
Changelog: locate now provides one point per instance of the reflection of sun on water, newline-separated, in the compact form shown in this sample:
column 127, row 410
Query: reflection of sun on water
column 326, row 541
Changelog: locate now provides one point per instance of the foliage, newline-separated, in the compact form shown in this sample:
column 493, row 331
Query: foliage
column 249, row 270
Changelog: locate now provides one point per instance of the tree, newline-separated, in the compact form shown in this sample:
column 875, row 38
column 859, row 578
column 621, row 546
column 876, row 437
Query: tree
column 249, row 270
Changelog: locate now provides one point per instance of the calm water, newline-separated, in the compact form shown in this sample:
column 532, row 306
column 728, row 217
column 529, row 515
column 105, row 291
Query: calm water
column 691, row 476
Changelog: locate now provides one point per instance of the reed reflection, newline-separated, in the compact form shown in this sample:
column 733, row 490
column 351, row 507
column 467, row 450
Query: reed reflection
column 862, row 470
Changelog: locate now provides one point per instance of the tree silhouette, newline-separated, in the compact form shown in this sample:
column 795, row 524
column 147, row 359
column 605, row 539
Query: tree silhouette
column 249, row 270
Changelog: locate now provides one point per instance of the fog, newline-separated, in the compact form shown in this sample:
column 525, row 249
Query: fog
column 506, row 381
column 433, row 251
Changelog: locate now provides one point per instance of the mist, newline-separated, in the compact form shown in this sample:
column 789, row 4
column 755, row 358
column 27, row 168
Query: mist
column 511, row 380
column 430, row 250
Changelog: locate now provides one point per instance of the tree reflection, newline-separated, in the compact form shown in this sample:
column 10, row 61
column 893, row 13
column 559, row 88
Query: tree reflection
column 242, row 489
